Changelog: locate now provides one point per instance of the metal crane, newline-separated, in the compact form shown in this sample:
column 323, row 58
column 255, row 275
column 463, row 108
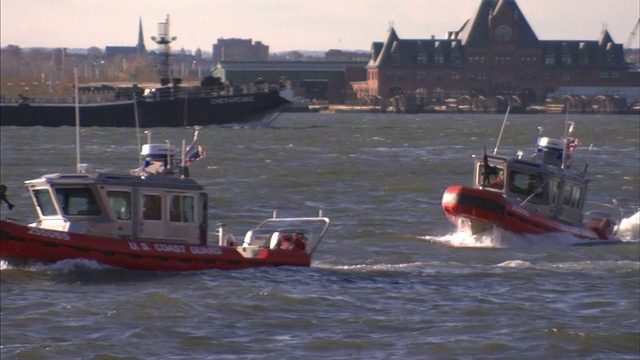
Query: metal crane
column 632, row 36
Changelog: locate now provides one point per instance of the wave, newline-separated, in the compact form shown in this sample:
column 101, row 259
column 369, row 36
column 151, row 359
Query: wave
column 544, row 263
column 63, row 266
column 604, row 266
column 629, row 228
column 498, row 238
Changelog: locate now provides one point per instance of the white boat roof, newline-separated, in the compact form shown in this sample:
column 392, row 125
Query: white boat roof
column 169, row 182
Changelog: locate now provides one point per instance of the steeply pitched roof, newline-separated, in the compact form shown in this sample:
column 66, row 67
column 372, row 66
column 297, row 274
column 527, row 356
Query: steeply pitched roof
column 475, row 31
column 604, row 38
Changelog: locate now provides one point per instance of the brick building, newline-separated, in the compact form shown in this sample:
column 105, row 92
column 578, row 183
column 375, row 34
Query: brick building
column 495, row 54
column 239, row 50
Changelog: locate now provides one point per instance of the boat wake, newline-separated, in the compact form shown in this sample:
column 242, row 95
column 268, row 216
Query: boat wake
column 64, row 266
column 629, row 231
column 498, row 238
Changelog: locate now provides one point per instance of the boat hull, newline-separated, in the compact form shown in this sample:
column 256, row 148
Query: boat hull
column 177, row 112
column 478, row 210
column 27, row 243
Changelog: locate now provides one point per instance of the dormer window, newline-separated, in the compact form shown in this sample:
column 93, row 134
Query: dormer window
column 611, row 56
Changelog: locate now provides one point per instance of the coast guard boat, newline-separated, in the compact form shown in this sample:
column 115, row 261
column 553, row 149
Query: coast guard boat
column 536, row 195
column 153, row 218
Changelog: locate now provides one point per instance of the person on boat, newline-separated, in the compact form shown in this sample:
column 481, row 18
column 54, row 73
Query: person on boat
column 498, row 181
column 3, row 197
column 298, row 242
column 292, row 242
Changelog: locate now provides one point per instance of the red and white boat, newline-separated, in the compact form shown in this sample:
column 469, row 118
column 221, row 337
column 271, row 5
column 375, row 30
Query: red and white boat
column 536, row 195
column 153, row 218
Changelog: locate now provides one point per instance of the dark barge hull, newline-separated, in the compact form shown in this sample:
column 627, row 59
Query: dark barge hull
column 177, row 112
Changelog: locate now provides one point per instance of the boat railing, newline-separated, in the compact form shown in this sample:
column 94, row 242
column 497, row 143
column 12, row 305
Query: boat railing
column 86, row 99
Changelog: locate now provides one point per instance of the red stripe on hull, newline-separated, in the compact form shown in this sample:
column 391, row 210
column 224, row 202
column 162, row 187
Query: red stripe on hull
column 28, row 243
column 492, row 209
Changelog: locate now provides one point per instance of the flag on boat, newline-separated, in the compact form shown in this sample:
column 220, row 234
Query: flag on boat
column 194, row 153
column 572, row 144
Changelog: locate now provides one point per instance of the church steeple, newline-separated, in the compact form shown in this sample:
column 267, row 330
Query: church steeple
column 142, row 50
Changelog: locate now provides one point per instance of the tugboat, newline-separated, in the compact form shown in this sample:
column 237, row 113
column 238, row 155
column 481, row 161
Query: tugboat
column 536, row 195
column 153, row 218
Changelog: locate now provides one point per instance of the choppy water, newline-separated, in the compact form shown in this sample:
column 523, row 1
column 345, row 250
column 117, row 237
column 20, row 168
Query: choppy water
column 391, row 280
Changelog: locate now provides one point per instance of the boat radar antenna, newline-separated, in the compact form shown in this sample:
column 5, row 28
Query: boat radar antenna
column 164, row 49
column 77, row 107
column 502, row 128
column 568, row 129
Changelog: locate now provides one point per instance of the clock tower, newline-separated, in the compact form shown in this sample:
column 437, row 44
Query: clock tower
column 503, row 33
column 503, row 48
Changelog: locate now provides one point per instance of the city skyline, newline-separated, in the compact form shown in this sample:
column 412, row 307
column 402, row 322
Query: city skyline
column 286, row 25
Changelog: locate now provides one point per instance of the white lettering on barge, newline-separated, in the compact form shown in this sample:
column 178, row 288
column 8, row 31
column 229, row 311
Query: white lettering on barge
column 233, row 100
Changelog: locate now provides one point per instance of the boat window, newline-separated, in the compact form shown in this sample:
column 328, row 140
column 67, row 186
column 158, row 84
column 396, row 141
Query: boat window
column 554, row 185
column 181, row 209
column 45, row 202
column 575, row 197
column 120, row 202
column 524, row 183
column 572, row 195
column 152, row 207
column 492, row 178
column 78, row 201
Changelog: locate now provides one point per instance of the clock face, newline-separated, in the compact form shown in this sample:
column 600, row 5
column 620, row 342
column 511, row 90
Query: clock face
column 503, row 33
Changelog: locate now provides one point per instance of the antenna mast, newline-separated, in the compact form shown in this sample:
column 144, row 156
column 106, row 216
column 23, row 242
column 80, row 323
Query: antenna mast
column 164, row 49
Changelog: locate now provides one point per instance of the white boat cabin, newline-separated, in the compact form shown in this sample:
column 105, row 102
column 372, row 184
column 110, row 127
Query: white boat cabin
column 156, row 208
column 543, row 184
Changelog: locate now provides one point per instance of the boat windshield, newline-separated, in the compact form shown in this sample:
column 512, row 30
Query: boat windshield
column 524, row 183
column 44, row 201
column 78, row 201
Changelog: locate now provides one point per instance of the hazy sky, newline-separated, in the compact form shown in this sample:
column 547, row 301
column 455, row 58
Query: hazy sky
column 289, row 24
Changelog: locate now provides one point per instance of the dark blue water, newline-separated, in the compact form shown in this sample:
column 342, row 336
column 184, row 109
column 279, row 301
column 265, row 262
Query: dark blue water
column 391, row 280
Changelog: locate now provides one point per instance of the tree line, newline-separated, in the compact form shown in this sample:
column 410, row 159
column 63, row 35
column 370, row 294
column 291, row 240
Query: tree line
column 39, row 72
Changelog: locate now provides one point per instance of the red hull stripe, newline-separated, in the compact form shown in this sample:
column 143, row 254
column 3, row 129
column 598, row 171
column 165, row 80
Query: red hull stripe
column 18, row 243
